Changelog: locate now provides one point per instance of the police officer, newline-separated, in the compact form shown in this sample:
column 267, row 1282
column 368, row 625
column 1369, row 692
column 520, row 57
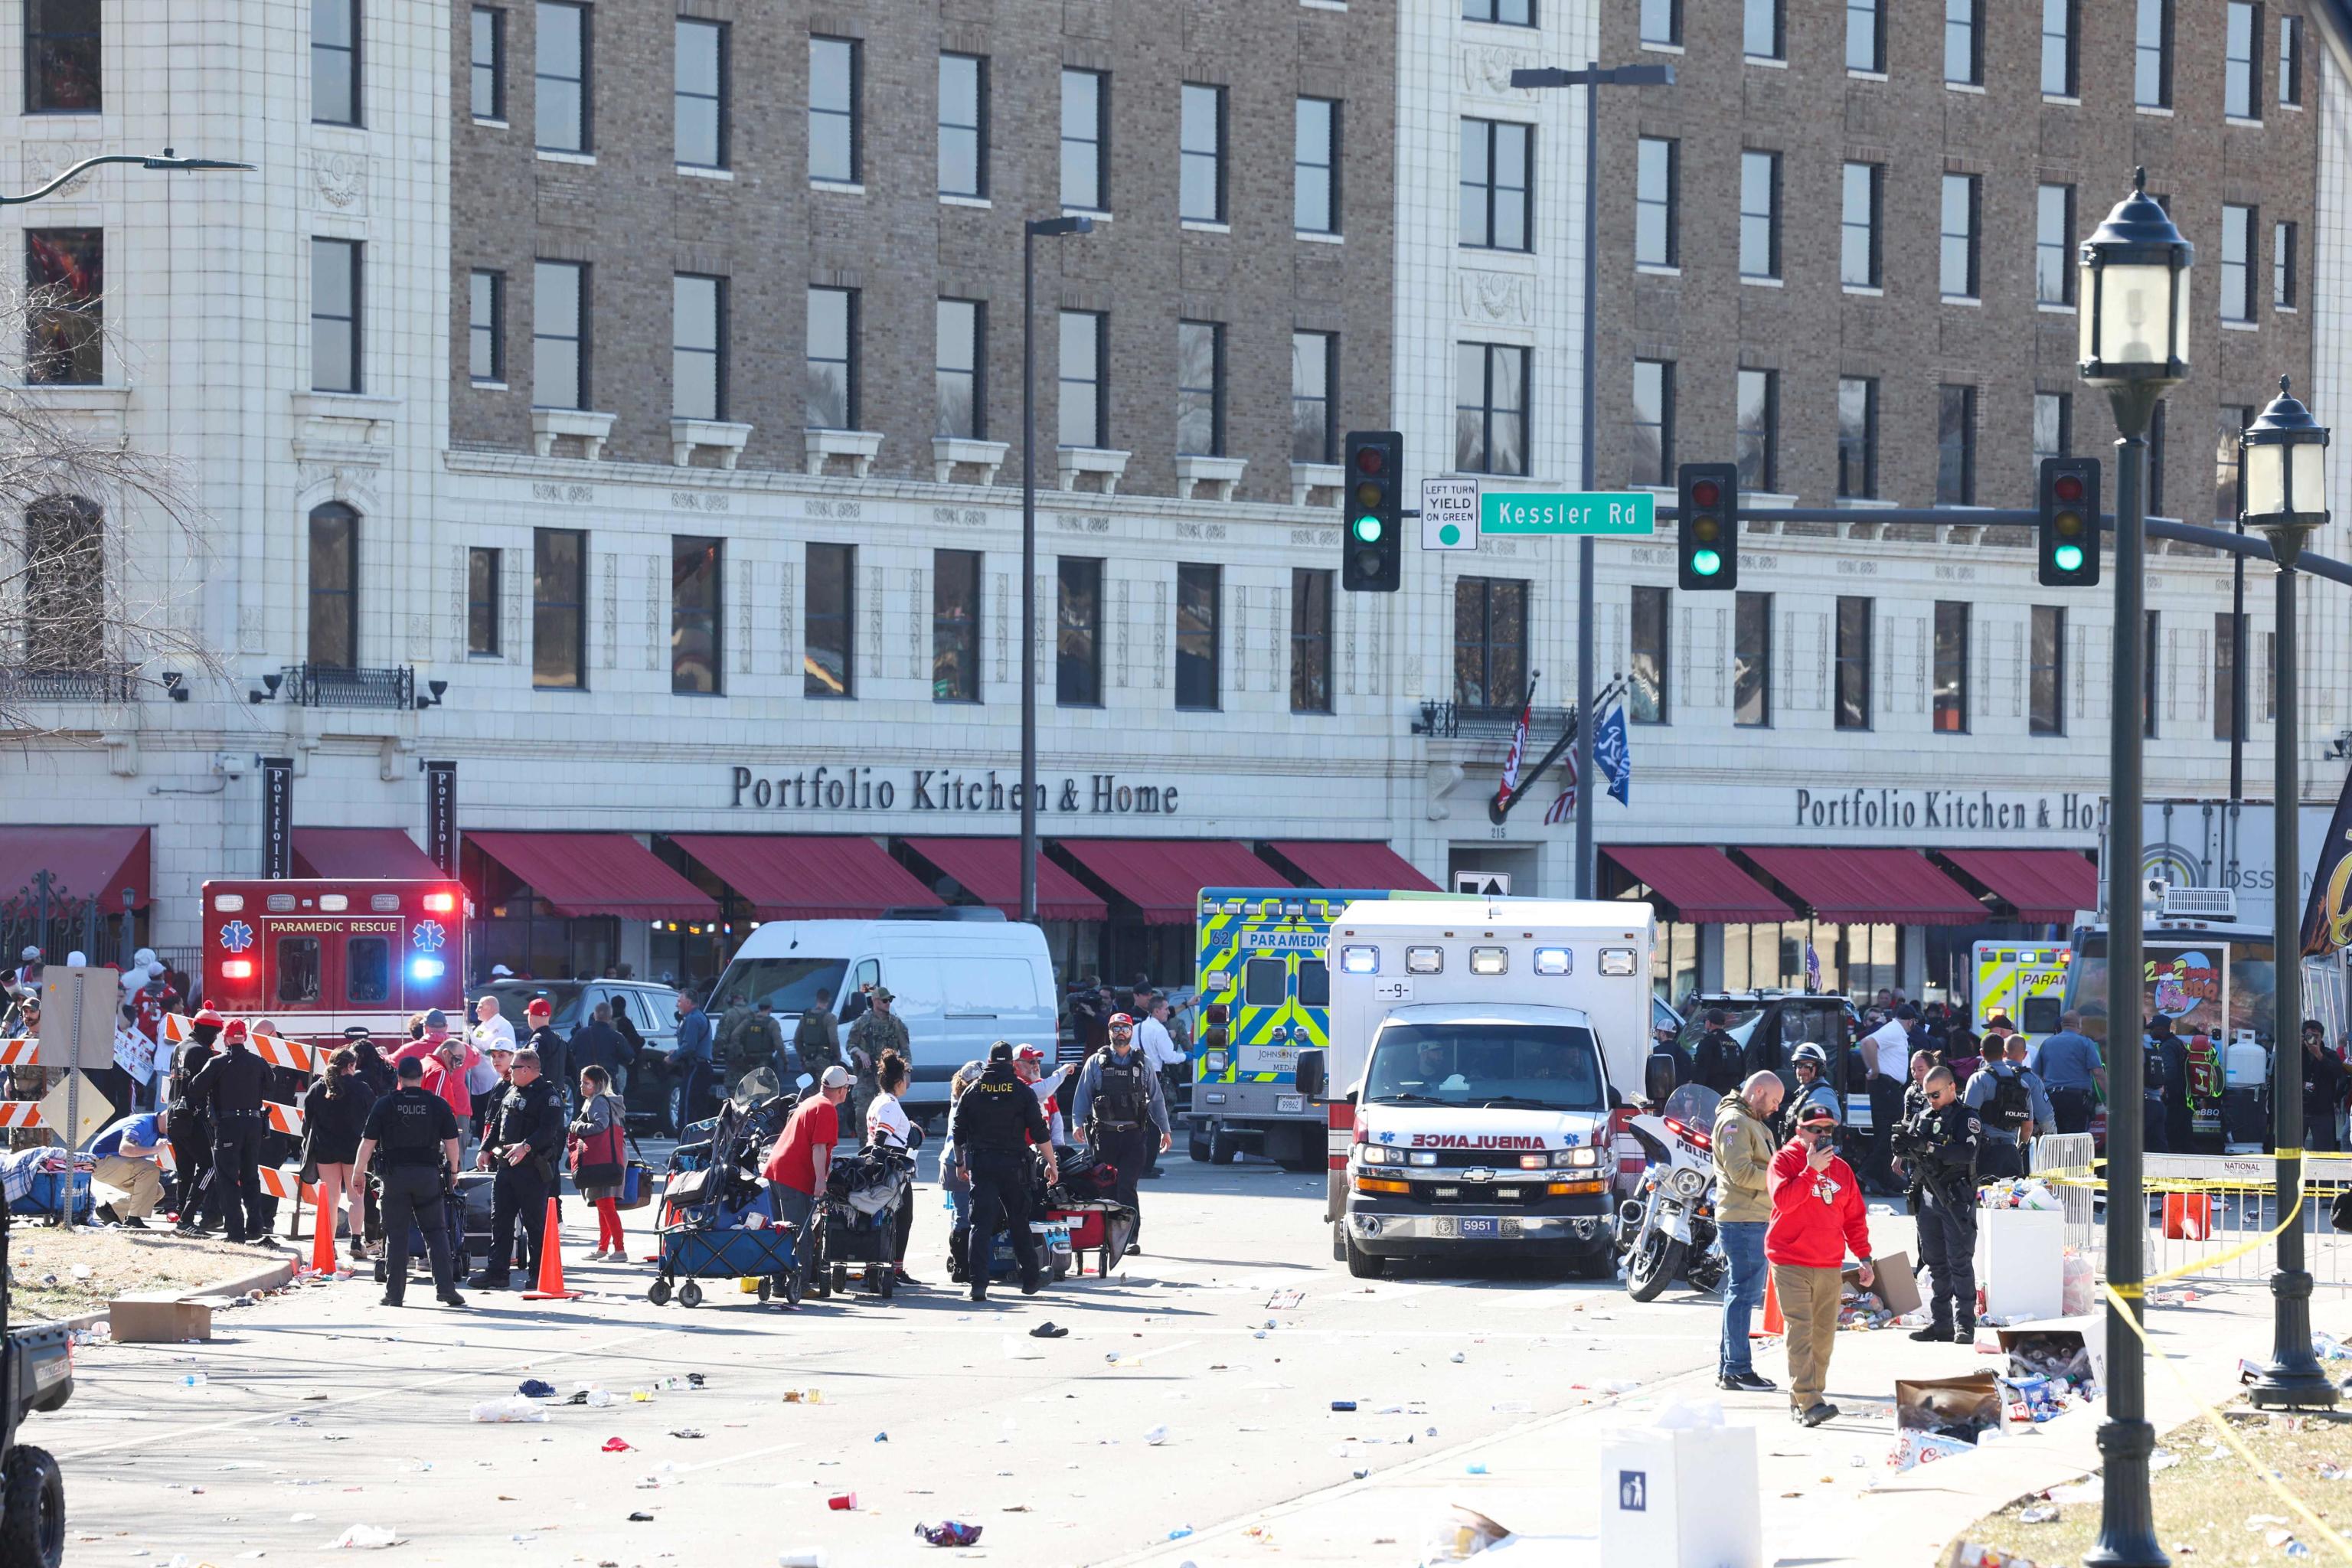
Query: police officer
column 993, row 1127
column 1716, row 1059
column 524, row 1130
column 1811, row 1064
column 418, row 1135
column 192, row 1130
column 2004, row 1095
column 231, row 1091
column 1940, row 1144
column 1117, row 1102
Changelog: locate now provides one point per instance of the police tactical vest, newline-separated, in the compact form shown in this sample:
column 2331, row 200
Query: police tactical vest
column 412, row 1139
column 1124, row 1096
column 2011, row 1109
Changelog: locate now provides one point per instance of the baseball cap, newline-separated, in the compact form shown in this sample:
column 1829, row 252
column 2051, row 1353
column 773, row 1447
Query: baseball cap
column 1814, row 1114
column 1000, row 1052
column 1122, row 1020
column 539, row 1008
column 1028, row 1054
column 437, row 1019
column 233, row 1030
column 835, row 1076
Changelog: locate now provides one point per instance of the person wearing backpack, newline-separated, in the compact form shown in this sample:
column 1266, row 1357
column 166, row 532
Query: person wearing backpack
column 2003, row 1102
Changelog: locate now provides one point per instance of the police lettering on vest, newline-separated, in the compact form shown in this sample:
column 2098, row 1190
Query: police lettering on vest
column 2012, row 1102
column 410, row 1126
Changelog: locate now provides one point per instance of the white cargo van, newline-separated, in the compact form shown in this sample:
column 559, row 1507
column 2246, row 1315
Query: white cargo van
column 961, row 978
column 1479, row 1046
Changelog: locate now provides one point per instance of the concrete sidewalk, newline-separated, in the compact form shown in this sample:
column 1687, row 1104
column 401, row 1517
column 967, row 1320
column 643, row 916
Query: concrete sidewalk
column 1829, row 1497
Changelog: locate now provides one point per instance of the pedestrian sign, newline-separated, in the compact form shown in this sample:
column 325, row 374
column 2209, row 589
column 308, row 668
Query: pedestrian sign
column 1633, row 513
column 1449, row 514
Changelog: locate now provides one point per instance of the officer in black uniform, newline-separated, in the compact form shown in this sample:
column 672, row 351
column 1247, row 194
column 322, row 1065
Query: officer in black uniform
column 1119, row 1104
column 192, row 1129
column 520, row 1138
column 230, row 1090
column 1939, row 1145
column 993, row 1127
column 418, row 1135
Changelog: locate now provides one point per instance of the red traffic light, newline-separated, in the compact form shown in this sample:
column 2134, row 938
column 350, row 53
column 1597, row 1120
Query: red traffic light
column 1369, row 459
column 2068, row 486
column 1705, row 492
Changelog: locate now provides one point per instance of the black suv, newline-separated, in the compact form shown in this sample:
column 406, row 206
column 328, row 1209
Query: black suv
column 1771, row 1024
column 35, row 1373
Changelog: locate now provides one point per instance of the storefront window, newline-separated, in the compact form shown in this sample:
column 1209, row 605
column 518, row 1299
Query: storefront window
column 516, row 929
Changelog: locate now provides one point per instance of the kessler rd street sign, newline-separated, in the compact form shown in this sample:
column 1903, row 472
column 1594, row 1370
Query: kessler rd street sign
column 1632, row 513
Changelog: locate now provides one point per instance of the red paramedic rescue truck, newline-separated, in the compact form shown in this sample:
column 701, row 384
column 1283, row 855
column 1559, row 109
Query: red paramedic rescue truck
column 317, row 956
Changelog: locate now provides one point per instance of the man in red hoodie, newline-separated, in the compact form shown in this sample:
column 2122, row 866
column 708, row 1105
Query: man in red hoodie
column 1818, row 1216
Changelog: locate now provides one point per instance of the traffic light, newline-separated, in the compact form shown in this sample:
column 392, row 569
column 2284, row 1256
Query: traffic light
column 1706, row 539
column 1371, row 543
column 2069, row 529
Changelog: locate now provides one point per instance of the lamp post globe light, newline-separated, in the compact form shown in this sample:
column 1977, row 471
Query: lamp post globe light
column 2134, row 303
column 2284, row 460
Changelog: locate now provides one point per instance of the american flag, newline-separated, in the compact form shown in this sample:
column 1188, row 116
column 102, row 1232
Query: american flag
column 1813, row 970
column 1565, row 807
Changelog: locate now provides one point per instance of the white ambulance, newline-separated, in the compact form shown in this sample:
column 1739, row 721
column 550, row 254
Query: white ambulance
column 1478, row 1049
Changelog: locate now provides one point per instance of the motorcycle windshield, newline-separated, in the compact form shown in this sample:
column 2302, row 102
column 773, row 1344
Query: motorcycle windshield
column 1692, row 1105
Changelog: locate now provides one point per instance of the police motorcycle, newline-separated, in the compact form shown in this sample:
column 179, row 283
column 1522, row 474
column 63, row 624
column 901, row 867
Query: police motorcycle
column 1666, row 1230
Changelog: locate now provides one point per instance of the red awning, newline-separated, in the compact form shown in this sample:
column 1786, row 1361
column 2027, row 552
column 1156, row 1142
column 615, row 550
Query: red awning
column 1701, row 883
column 596, row 874
column 790, row 877
column 80, row 862
column 1870, row 886
column 1163, row 877
column 357, row 852
column 1360, row 864
column 989, row 869
column 2046, row 885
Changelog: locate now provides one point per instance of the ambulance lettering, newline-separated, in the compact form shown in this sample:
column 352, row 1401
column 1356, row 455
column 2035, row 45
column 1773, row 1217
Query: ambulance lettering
column 1482, row 1140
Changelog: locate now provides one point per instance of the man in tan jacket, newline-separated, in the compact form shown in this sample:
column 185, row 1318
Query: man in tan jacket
column 1744, row 1147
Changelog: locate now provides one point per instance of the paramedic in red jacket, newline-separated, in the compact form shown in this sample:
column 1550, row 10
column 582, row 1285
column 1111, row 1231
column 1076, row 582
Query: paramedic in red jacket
column 1818, row 1216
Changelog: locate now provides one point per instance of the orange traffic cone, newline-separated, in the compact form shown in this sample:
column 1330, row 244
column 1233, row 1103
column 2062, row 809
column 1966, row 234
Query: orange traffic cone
column 550, row 1265
column 1773, row 1322
column 322, row 1241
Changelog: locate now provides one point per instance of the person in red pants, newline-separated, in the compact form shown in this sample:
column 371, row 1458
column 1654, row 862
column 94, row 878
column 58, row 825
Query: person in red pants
column 599, row 1159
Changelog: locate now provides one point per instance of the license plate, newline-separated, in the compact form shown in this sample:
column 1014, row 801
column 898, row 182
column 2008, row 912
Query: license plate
column 1471, row 1227
column 1290, row 1104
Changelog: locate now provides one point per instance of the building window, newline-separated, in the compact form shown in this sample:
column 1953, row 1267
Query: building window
column 1490, row 409
column 829, row 614
column 1654, row 423
column 1200, row 389
column 2053, row 426
column 2152, row 55
column 2242, row 80
column 335, row 62
column 2229, row 500
column 1956, row 445
column 963, row 125
column 955, row 626
column 561, row 76
column 1085, row 136
column 64, row 584
column 962, row 370
column 695, row 598
column 558, row 608
column 489, row 63
column 832, row 374
column 1951, row 666
column 1199, row 591
column 2151, row 651
column 1858, row 437
column 62, row 56
column 1490, row 643
column 334, row 315
column 1078, row 647
column 2054, row 244
column 1662, row 22
column 1315, row 167
column 1310, row 640
column 1314, row 423
column 1959, row 254
column 1496, row 201
column 1085, row 409
column 1858, row 254
column 1866, row 36
column 2290, row 61
column 334, row 586
column 1751, row 660
column 486, row 326
column 2282, row 259
column 1762, row 29
column 700, row 96
column 1759, row 214
column 1645, row 683
column 698, row 350
column 65, row 273
column 1512, row 13
column 1200, row 154
column 2225, row 676
column 2058, row 56
column 1655, row 207
column 1756, row 438
column 2047, row 679
column 1853, row 663
column 833, row 88
column 1963, row 43
column 482, row 604
column 2237, row 263
column 559, row 334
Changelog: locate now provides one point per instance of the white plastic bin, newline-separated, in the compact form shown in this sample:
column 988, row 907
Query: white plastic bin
column 2022, row 1262
column 1681, row 1498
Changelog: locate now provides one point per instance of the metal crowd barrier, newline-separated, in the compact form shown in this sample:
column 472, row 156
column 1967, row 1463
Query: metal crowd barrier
column 2203, row 1212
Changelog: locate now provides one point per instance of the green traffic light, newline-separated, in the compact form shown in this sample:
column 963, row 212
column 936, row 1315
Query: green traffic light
column 1368, row 530
column 2067, row 558
column 1705, row 563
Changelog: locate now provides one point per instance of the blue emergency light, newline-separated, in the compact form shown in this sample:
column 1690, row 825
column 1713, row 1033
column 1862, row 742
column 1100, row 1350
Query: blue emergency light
column 420, row 968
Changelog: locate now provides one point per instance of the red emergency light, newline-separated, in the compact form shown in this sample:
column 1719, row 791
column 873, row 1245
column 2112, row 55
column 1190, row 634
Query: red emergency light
column 237, row 968
column 441, row 903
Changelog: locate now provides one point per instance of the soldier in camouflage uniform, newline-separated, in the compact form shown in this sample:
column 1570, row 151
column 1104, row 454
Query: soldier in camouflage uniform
column 816, row 1040
column 877, row 1029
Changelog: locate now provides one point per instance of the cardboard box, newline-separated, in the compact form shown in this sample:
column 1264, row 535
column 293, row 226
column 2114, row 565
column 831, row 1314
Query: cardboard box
column 157, row 1318
column 2067, row 1336
column 1893, row 1280
column 1681, row 1498
column 1936, row 1417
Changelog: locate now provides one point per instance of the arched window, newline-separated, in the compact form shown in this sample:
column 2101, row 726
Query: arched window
column 65, row 583
column 334, row 586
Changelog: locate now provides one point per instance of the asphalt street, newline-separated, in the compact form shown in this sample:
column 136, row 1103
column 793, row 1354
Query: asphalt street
column 1196, row 1388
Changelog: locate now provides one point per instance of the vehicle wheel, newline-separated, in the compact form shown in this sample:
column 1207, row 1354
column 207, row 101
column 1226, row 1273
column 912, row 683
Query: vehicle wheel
column 1196, row 1144
column 1362, row 1264
column 32, row 1528
column 766, row 1289
column 1222, row 1149
column 794, row 1287
column 1600, row 1264
column 1339, row 1244
column 838, row 1280
column 885, row 1281
column 689, row 1294
column 1655, row 1261
column 658, row 1292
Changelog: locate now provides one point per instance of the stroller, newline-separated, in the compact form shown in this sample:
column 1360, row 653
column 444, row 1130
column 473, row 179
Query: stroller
column 717, row 1219
column 862, row 1195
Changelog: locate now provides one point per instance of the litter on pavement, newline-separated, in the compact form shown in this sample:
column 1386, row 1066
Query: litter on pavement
column 949, row 1532
column 514, row 1407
